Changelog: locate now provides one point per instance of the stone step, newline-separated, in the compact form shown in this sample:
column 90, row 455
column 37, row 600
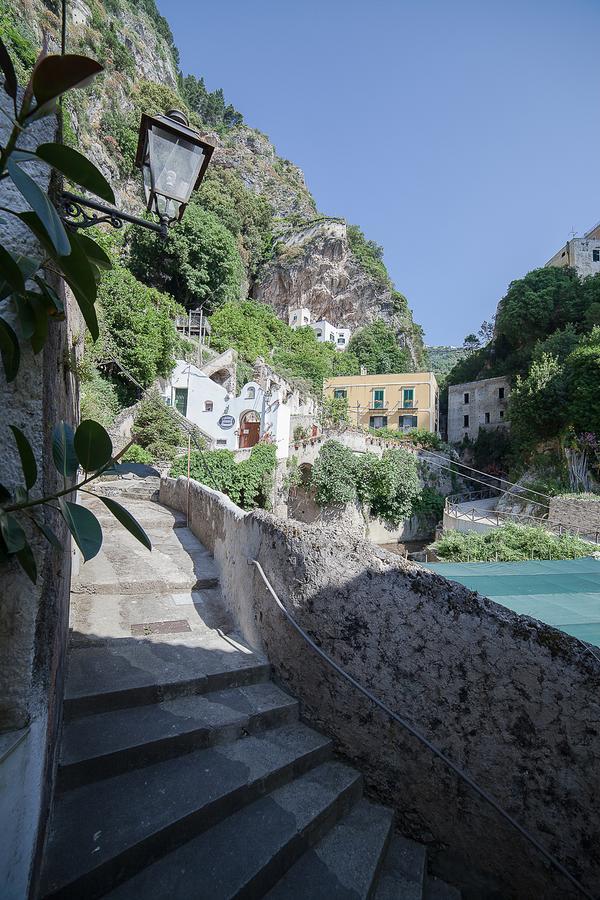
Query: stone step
column 436, row 889
column 249, row 851
column 105, row 832
column 129, row 672
column 345, row 864
column 403, row 873
column 106, row 744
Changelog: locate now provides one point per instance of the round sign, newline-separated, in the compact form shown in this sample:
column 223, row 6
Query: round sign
column 226, row 422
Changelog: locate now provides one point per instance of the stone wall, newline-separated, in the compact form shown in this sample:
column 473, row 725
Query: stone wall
column 485, row 408
column 33, row 618
column 581, row 512
column 513, row 701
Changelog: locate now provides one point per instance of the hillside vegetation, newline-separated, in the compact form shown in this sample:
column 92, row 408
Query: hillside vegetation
column 213, row 258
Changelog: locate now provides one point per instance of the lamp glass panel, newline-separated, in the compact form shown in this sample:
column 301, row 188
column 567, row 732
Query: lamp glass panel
column 175, row 163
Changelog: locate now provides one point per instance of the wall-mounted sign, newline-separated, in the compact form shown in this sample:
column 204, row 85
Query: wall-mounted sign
column 226, row 422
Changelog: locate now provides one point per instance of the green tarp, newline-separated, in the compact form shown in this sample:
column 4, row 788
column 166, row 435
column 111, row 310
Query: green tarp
column 564, row 592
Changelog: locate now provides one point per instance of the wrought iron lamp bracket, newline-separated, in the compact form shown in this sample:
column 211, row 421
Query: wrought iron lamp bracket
column 74, row 215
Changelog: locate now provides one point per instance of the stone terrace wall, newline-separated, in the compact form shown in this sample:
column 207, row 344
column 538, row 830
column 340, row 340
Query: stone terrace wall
column 581, row 512
column 512, row 700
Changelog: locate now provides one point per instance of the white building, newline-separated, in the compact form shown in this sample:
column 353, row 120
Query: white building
column 264, row 407
column 324, row 330
column 580, row 253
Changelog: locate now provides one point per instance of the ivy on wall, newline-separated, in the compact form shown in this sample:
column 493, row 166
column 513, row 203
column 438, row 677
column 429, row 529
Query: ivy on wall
column 248, row 483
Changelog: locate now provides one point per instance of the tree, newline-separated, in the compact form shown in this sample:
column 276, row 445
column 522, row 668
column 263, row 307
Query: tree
column 558, row 344
column 249, row 327
column 539, row 404
column 136, row 326
column 582, row 377
column 486, row 331
column 389, row 484
column 376, row 348
column 368, row 254
column 536, row 305
column 199, row 261
column 471, row 342
column 333, row 474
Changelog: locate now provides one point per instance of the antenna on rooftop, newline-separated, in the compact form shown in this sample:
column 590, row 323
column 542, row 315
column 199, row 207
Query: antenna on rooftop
column 572, row 233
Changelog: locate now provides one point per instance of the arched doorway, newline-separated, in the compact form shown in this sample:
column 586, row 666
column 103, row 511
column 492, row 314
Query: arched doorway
column 249, row 429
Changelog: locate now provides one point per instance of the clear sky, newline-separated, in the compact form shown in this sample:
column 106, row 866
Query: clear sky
column 462, row 136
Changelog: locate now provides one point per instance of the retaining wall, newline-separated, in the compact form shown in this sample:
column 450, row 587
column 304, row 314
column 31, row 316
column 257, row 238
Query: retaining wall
column 512, row 700
column 582, row 512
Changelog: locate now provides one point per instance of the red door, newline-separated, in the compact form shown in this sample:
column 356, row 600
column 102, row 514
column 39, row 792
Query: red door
column 249, row 434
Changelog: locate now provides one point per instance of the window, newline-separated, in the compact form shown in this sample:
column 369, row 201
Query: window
column 405, row 423
column 319, row 334
column 466, row 397
column 332, row 337
column 181, row 398
column 340, row 393
column 465, row 421
column 408, row 398
column 208, row 406
column 378, row 400
column 295, row 317
column 500, row 393
column 251, row 393
column 501, row 413
column 306, row 318
column 378, row 422
column 341, row 340
column 596, row 255
column 221, row 443
column 487, row 418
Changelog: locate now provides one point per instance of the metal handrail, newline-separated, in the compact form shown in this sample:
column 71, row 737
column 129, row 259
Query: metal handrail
column 464, row 776
column 452, row 508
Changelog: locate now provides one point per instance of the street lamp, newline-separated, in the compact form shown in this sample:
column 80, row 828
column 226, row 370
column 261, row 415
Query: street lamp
column 173, row 159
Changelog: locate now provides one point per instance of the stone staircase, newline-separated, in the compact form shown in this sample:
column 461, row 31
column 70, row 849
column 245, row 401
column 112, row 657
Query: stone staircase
column 185, row 772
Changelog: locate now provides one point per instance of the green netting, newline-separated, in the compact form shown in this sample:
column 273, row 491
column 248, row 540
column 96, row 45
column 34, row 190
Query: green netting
column 564, row 593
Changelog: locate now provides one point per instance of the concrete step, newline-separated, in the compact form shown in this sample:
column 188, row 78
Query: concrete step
column 247, row 853
column 106, row 744
column 436, row 889
column 403, row 873
column 105, row 832
column 345, row 864
column 130, row 672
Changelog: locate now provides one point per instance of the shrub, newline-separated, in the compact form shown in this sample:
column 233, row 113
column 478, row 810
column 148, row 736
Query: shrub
column 137, row 454
column 390, row 484
column 333, row 474
column 429, row 505
column 156, row 430
column 509, row 543
column 99, row 399
column 249, row 483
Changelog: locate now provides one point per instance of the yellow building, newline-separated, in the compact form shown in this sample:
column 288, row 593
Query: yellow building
column 404, row 401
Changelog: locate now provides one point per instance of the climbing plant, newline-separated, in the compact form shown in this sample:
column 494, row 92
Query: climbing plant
column 29, row 304
column 248, row 483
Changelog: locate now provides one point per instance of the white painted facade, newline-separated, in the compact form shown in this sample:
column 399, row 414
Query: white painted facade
column 221, row 417
column 324, row 331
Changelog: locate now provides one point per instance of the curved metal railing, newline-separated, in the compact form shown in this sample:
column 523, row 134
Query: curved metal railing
column 464, row 776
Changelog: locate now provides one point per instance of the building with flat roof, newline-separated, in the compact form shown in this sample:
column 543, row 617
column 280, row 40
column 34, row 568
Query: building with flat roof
column 477, row 404
column 580, row 253
column 324, row 331
column 404, row 401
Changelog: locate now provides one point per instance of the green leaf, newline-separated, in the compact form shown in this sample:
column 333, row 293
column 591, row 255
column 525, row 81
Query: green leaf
column 11, row 271
column 27, row 266
column 42, row 207
column 9, row 350
column 12, row 533
column 28, row 463
column 4, row 494
column 38, row 317
column 54, row 301
column 76, row 168
column 95, row 252
column 84, row 526
column 125, row 518
column 10, row 78
column 63, row 451
column 92, row 445
column 54, row 75
column 76, row 268
column 48, row 533
column 27, row 560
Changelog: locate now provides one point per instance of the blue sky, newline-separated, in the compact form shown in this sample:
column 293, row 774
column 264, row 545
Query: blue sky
column 462, row 136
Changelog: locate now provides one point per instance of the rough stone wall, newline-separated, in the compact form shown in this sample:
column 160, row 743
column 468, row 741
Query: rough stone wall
column 483, row 398
column 33, row 619
column 581, row 513
column 513, row 701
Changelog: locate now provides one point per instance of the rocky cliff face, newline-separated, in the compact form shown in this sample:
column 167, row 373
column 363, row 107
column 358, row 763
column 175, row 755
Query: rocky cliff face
column 315, row 267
